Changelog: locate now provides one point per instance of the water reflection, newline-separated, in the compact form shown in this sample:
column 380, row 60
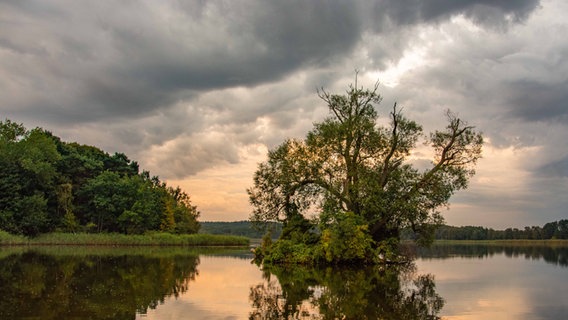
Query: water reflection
column 472, row 282
column 557, row 255
column 498, row 282
column 115, row 285
column 341, row 293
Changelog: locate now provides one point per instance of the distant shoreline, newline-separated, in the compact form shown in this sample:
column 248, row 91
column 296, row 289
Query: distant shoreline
column 547, row 242
column 201, row 240
column 114, row 239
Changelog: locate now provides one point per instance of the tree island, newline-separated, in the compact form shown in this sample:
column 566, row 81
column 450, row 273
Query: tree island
column 345, row 191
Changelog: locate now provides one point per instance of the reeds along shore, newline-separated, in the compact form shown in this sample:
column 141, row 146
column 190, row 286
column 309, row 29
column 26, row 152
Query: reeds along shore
column 114, row 239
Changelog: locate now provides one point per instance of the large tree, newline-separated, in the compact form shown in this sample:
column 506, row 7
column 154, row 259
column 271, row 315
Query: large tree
column 351, row 177
column 28, row 175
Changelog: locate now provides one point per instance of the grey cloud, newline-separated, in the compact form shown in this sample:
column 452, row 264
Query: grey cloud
column 536, row 101
column 307, row 31
column 556, row 169
column 393, row 23
column 126, row 66
column 130, row 58
column 485, row 11
column 255, row 42
column 489, row 12
column 191, row 154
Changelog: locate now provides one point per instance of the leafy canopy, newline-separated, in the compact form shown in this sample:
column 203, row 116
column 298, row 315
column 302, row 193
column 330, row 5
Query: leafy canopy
column 349, row 164
column 49, row 185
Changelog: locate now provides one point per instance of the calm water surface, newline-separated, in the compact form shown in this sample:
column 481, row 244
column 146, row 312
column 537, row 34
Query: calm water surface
column 447, row 282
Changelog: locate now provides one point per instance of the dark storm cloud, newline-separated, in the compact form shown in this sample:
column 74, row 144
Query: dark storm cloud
column 535, row 101
column 492, row 12
column 136, row 67
column 306, row 31
column 130, row 58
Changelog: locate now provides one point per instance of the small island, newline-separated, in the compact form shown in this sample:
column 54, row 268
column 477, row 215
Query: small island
column 346, row 191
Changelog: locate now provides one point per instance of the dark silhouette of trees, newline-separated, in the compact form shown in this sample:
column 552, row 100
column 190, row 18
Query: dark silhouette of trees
column 551, row 230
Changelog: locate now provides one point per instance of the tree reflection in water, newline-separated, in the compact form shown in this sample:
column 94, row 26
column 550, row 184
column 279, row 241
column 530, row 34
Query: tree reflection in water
column 554, row 254
column 297, row 292
column 73, row 286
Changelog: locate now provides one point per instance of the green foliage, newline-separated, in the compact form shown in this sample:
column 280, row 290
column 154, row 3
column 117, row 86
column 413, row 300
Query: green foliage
column 32, row 212
column 290, row 252
column 47, row 184
column 168, row 222
column 28, row 174
column 185, row 214
column 11, row 131
column 347, row 240
column 348, row 163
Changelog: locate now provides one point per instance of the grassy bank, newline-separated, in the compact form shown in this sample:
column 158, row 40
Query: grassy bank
column 113, row 239
column 146, row 251
column 10, row 239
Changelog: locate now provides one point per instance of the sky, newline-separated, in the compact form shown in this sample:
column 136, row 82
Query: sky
column 198, row 91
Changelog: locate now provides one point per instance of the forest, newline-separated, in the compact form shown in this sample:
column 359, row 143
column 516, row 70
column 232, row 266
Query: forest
column 550, row 230
column 240, row 228
column 49, row 185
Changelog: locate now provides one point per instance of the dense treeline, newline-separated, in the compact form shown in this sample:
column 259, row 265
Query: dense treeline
column 50, row 185
column 240, row 228
column 551, row 230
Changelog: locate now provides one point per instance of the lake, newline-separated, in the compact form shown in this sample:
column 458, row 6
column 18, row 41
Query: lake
column 447, row 282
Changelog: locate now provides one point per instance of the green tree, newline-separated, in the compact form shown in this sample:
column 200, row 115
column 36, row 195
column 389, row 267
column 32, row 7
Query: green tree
column 121, row 203
column 562, row 231
column 348, row 163
column 108, row 196
column 47, row 184
column 168, row 222
column 65, row 205
column 27, row 178
column 146, row 209
column 11, row 131
column 549, row 229
column 185, row 214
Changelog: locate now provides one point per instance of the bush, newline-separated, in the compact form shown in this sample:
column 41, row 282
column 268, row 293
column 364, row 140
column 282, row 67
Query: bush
column 289, row 252
column 347, row 240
